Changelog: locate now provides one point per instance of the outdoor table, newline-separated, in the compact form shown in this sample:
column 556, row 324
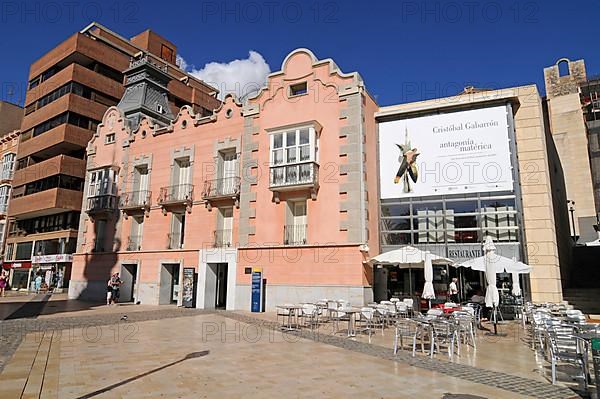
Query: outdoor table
column 351, row 320
column 292, row 312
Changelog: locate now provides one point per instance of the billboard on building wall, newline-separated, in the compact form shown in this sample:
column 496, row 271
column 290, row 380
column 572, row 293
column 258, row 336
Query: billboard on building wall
column 453, row 153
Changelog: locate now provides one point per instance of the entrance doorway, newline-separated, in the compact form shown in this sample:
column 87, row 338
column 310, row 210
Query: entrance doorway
column 169, row 284
column 215, row 293
column 129, row 278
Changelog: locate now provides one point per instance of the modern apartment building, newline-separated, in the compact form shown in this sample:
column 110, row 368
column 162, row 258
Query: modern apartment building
column 70, row 89
column 283, row 183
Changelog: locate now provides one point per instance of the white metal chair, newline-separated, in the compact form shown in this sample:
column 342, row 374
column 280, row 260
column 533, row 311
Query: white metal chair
column 444, row 334
column 309, row 315
column 406, row 328
column 564, row 347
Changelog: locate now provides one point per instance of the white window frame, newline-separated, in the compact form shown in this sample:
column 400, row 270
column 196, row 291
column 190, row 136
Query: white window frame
column 313, row 144
column 110, row 138
column 8, row 165
column 102, row 182
column 4, row 197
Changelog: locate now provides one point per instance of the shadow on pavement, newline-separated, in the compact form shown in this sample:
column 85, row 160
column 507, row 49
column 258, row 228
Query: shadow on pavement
column 189, row 356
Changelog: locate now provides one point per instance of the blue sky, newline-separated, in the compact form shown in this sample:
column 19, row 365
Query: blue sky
column 405, row 50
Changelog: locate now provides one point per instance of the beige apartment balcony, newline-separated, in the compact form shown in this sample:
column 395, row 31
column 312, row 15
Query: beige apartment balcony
column 54, row 200
column 294, row 177
column 61, row 139
column 60, row 164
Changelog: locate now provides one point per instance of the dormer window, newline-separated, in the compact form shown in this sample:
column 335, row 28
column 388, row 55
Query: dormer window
column 160, row 109
column 110, row 138
column 298, row 89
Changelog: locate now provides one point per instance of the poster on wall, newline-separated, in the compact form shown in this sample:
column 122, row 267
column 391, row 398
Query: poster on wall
column 188, row 287
column 454, row 153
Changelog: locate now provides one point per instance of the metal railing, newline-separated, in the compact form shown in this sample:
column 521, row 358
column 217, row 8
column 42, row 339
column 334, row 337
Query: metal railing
column 134, row 243
column 223, row 187
column 306, row 173
column 223, row 238
column 135, row 199
column 295, row 234
column 101, row 203
column 175, row 194
column 175, row 241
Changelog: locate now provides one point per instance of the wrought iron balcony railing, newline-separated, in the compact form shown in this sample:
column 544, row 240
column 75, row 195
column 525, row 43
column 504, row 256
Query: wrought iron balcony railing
column 135, row 199
column 295, row 234
column 181, row 193
column 175, row 241
column 134, row 243
column 223, row 238
column 225, row 187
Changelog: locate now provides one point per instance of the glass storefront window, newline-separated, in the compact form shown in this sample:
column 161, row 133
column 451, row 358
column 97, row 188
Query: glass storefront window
column 401, row 238
column 458, row 207
column 395, row 210
column 395, row 224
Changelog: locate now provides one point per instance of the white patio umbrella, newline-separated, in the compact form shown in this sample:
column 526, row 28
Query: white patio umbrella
column 500, row 263
column 408, row 257
column 428, row 291
column 492, row 298
column 516, row 288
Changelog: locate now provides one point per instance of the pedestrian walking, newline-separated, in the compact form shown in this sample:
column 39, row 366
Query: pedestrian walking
column 108, row 292
column 115, row 283
column 3, row 282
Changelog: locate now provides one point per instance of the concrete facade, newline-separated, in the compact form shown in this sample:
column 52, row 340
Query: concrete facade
column 540, row 245
column 568, row 128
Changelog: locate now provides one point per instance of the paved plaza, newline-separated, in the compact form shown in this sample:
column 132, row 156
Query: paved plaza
column 72, row 349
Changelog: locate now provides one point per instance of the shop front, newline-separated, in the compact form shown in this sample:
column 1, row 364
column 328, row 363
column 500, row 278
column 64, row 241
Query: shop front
column 54, row 269
column 20, row 274
column 447, row 183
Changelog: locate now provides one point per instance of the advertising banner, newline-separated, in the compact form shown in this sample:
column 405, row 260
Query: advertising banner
column 454, row 153
column 188, row 287
column 257, row 293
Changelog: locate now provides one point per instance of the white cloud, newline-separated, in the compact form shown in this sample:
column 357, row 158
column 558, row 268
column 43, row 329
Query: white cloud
column 242, row 77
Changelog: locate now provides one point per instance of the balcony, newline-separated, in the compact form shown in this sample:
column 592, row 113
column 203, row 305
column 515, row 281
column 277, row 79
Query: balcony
column 175, row 241
column 226, row 188
column 101, row 204
column 135, row 201
column 223, row 238
column 134, row 243
column 54, row 200
column 61, row 139
column 294, row 177
column 179, row 195
column 295, row 234
column 7, row 176
column 60, row 164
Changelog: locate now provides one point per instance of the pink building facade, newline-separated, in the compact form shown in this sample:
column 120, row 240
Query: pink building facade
column 286, row 183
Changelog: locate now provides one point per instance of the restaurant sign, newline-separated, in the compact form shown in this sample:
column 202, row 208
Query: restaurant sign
column 58, row 258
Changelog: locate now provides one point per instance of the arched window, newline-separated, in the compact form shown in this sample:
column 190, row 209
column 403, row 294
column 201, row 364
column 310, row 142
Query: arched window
column 563, row 68
column 8, row 166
